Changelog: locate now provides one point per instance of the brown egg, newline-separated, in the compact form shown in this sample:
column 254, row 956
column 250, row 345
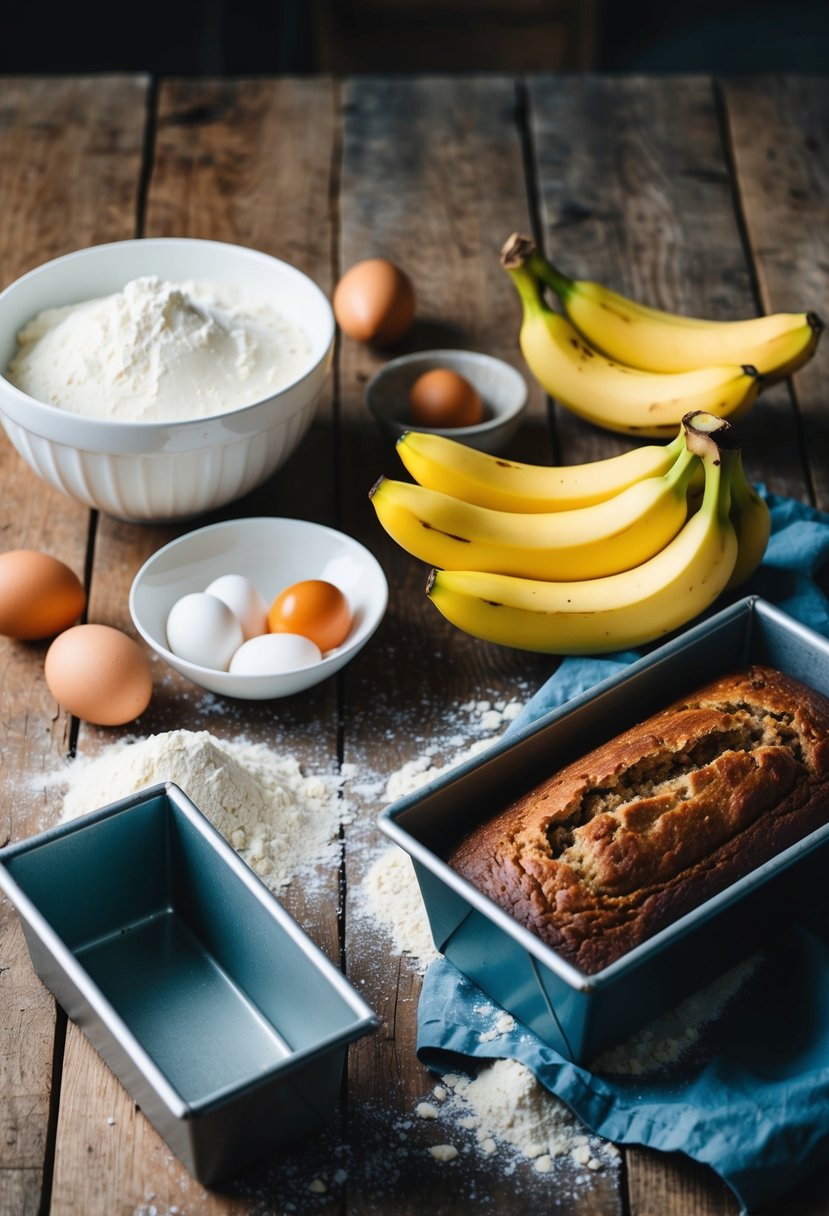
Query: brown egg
column 443, row 398
column 39, row 595
column 374, row 301
column 99, row 674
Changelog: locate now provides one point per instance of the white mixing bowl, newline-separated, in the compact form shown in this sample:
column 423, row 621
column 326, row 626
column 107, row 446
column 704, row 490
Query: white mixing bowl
column 159, row 471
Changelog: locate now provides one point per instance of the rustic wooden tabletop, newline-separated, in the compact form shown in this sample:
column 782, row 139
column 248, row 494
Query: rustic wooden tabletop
column 709, row 197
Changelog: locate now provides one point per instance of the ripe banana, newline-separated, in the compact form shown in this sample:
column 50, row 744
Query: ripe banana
column 751, row 519
column 586, row 543
column 648, row 338
column 444, row 464
column 607, row 393
column 622, row 610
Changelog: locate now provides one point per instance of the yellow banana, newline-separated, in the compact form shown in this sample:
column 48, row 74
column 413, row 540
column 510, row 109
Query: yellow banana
column 586, row 543
column 605, row 614
column 648, row 338
column 751, row 518
column 610, row 394
column 444, row 464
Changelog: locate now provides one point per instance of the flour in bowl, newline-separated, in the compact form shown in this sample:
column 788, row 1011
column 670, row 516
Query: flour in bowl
column 158, row 352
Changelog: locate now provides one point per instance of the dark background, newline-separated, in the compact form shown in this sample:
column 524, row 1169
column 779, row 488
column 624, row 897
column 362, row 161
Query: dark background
column 252, row 37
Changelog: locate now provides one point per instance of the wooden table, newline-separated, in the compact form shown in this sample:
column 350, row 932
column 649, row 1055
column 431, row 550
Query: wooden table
column 704, row 196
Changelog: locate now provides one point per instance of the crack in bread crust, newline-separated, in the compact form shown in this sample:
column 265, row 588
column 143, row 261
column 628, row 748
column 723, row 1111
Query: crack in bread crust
column 611, row 848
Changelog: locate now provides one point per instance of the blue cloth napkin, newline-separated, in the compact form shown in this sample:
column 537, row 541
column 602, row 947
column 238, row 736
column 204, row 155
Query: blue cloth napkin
column 751, row 1099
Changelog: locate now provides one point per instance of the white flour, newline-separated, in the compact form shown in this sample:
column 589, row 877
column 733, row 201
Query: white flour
column 280, row 820
column 390, row 895
column 158, row 351
column 504, row 1103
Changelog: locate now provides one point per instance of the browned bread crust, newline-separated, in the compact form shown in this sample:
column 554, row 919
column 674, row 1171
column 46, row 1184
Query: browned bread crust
column 612, row 848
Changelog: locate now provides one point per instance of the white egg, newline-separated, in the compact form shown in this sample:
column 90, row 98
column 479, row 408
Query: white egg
column 244, row 601
column 202, row 629
column 271, row 654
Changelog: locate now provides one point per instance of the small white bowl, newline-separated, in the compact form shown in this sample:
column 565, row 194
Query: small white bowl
column 273, row 554
column 160, row 471
column 503, row 391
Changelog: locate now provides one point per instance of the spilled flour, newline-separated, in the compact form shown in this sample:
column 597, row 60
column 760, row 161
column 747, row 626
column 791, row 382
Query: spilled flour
column 502, row 1112
column 389, row 894
column 279, row 820
column 504, row 1103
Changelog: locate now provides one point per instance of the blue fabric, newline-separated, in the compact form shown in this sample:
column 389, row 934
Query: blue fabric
column 752, row 1100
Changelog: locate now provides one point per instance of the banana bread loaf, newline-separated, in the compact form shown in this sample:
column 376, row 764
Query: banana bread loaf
column 612, row 848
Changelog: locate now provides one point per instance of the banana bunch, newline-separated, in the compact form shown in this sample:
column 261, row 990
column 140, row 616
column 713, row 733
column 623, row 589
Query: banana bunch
column 638, row 370
column 579, row 559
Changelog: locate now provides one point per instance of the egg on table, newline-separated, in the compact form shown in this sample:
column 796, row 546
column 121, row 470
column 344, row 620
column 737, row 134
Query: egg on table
column 99, row 674
column 39, row 595
column 374, row 301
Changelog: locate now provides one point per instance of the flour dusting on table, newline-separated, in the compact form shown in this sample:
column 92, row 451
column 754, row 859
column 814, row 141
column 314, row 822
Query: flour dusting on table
column 279, row 819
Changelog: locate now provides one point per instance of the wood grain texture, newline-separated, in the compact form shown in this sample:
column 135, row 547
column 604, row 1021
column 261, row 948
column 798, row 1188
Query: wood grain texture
column 231, row 163
column 432, row 178
column 71, row 154
column 668, row 189
column 670, row 1185
column 635, row 191
column 778, row 135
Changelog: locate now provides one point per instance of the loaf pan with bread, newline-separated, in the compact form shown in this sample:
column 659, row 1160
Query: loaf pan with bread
column 583, row 1007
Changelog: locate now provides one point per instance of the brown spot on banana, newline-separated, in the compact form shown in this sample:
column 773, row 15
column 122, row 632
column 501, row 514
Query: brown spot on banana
column 463, row 540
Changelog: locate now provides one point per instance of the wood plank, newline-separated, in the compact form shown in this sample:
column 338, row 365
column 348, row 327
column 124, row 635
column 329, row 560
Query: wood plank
column 432, row 178
column 777, row 128
column 231, row 162
column 71, row 153
column 127, row 1167
column 635, row 192
column 662, row 1184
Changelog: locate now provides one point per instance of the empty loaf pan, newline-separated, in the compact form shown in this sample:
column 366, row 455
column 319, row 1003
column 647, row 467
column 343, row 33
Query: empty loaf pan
column 580, row 1015
column 224, row 1022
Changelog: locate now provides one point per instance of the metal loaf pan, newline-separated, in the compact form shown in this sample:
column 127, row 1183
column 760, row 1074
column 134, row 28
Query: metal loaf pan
column 578, row 1014
column 225, row 1023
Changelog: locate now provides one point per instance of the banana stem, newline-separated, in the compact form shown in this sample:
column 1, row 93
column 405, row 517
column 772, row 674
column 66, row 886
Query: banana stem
column 740, row 489
column 516, row 250
column 528, row 288
column 521, row 250
column 682, row 470
column 547, row 273
column 706, row 434
column 716, row 496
